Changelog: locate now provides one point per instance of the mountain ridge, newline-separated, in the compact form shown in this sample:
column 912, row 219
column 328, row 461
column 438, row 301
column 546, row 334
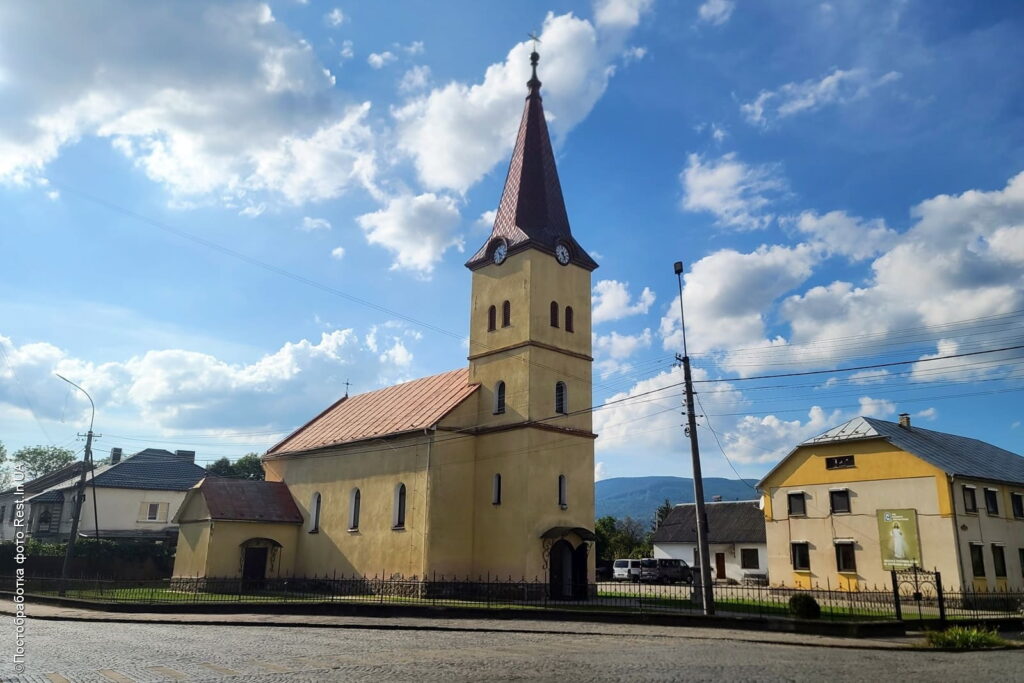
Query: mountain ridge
column 639, row 497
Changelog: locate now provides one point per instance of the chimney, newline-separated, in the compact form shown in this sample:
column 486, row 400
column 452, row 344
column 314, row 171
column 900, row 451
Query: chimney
column 115, row 456
column 190, row 456
column 905, row 420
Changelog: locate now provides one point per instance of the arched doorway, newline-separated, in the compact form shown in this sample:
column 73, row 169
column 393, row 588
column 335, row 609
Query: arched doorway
column 258, row 556
column 560, row 562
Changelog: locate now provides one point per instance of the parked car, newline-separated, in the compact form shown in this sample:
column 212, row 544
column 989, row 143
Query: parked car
column 665, row 570
column 626, row 570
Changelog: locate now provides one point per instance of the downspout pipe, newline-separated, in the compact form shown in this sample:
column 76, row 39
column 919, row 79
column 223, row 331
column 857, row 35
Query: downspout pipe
column 956, row 531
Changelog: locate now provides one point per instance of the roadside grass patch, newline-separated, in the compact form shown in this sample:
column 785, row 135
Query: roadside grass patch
column 965, row 638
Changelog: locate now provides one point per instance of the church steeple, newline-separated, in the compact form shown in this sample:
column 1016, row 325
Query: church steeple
column 531, row 212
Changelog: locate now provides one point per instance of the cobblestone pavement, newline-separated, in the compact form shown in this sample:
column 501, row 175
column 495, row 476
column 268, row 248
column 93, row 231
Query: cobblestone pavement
column 84, row 651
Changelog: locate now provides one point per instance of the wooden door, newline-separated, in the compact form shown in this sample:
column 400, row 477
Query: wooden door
column 720, row 566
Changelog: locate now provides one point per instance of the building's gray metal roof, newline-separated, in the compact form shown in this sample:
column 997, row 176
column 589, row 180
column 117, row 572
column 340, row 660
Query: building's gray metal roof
column 957, row 455
column 728, row 522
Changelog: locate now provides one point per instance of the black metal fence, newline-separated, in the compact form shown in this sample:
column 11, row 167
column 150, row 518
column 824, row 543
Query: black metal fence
column 759, row 602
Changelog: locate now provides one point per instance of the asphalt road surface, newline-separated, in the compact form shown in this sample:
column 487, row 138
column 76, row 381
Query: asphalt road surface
column 83, row 651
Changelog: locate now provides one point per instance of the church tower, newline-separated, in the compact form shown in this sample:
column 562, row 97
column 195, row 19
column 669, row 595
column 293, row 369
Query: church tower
column 530, row 352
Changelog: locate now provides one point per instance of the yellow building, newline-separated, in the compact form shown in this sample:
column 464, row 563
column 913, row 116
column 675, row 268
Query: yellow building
column 846, row 507
column 486, row 471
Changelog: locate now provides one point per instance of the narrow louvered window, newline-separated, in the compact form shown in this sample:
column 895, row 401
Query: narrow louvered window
column 506, row 314
column 499, row 398
column 492, row 319
column 568, row 319
column 554, row 314
column 561, row 398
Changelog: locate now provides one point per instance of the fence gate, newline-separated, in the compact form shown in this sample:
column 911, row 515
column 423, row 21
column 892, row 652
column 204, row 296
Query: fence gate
column 921, row 588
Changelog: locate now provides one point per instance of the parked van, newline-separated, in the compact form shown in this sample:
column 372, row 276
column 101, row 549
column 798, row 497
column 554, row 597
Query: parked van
column 664, row 570
column 626, row 570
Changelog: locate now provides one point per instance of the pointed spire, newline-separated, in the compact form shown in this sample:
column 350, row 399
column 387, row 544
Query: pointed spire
column 531, row 212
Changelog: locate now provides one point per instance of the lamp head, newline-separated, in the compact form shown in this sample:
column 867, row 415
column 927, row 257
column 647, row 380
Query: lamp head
column 678, row 265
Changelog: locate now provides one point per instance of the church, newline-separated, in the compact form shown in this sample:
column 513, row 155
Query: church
column 485, row 471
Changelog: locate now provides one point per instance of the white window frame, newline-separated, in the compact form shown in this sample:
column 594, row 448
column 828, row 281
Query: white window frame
column 153, row 512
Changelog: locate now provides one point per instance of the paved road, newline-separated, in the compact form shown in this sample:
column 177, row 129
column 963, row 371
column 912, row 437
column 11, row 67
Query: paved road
column 83, row 651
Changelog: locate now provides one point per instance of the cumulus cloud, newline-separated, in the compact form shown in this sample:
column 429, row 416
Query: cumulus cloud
column 312, row 224
column 416, row 78
column 634, row 54
column 347, row 50
column 729, row 295
column 457, row 133
column 613, row 350
column 839, row 87
column 177, row 389
column 620, row 14
column 335, row 17
column 417, row 230
column 611, row 301
column 845, row 235
column 734, row 192
column 379, row 60
column 247, row 108
column 338, row 253
column 716, row 12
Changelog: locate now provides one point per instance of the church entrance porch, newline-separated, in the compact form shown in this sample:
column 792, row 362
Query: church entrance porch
column 567, row 563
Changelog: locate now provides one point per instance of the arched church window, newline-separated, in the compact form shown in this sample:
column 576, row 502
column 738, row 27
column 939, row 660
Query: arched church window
column 496, row 490
column 568, row 319
column 314, row 513
column 492, row 319
column 554, row 314
column 506, row 314
column 561, row 398
column 563, row 493
column 398, row 522
column 499, row 398
column 355, row 501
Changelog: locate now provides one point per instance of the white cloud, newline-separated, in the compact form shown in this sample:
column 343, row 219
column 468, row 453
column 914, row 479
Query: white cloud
column 620, row 14
column 734, row 192
column 312, row 224
column 876, row 407
column 335, row 17
column 177, row 389
column 378, row 60
column 612, row 351
column 338, row 253
column 416, row 78
column 927, row 414
column 416, row 229
column 850, row 236
column 611, row 301
column 839, row 87
column 634, row 54
column 486, row 220
column 600, row 471
column 457, row 133
column 716, row 12
column 767, row 439
column 347, row 50
column 729, row 295
column 247, row 108
column 416, row 47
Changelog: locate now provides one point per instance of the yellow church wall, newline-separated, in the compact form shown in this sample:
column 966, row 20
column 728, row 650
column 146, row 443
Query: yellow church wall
column 376, row 468
column 567, row 286
column 191, row 551
column 224, row 558
column 882, row 478
column 492, row 285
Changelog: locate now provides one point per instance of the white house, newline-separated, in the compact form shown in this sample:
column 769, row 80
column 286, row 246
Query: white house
column 21, row 491
column 135, row 498
column 736, row 536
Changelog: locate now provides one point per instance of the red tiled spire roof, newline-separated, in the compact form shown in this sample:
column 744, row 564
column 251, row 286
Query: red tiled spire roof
column 531, row 212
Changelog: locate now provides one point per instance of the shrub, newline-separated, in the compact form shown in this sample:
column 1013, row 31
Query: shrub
column 965, row 638
column 803, row 606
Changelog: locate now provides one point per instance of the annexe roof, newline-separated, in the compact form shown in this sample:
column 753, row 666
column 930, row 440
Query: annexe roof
column 246, row 500
column 957, row 455
column 728, row 522
column 407, row 407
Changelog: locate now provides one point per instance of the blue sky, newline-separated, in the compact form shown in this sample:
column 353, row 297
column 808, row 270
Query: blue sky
column 216, row 214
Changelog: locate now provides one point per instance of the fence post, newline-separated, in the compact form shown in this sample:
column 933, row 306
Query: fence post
column 896, row 595
column 940, row 596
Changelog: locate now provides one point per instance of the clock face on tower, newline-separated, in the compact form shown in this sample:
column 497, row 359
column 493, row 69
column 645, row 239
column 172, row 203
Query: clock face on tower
column 500, row 252
column 562, row 254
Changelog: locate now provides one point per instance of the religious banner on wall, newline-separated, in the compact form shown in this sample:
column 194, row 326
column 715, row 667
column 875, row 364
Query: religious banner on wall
column 898, row 540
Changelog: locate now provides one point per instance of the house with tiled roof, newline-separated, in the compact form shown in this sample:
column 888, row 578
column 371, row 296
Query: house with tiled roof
column 736, row 539
column 133, row 498
column 486, row 470
column 10, row 498
column 847, row 507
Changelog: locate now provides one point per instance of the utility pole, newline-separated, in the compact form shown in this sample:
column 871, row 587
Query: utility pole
column 703, row 553
column 76, row 508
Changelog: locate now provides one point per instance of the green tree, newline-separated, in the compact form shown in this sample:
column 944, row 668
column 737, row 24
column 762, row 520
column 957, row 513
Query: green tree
column 249, row 467
column 607, row 535
column 221, row 468
column 40, row 460
column 664, row 510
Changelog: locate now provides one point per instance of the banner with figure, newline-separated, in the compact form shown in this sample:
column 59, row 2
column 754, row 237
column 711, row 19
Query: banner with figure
column 898, row 540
